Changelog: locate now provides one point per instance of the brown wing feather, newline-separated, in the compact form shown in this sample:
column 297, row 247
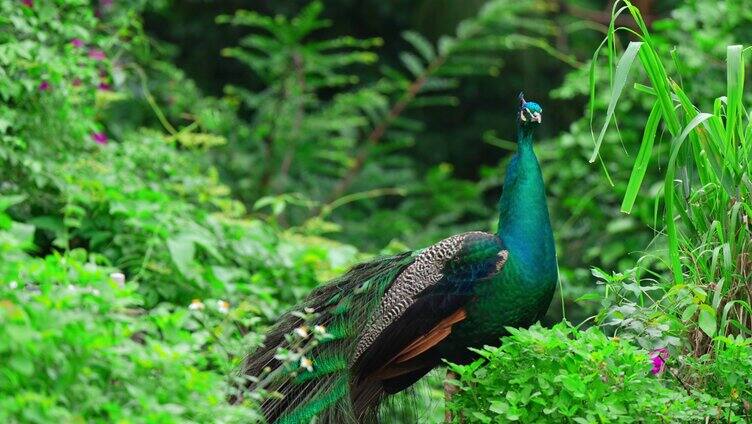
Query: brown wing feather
column 430, row 339
column 399, row 365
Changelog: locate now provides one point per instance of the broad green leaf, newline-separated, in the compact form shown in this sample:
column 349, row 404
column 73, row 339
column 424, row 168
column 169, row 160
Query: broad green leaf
column 707, row 320
column 182, row 251
column 689, row 312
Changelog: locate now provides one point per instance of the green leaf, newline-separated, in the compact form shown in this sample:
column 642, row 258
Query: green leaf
column 499, row 407
column 587, row 297
column 707, row 320
column 620, row 79
column 689, row 312
column 8, row 201
column 735, row 83
column 446, row 44
column 420, row 44
column 668, row 187
column 182, row 251
column 481, row 417
column 643, row 159
column 412, row 63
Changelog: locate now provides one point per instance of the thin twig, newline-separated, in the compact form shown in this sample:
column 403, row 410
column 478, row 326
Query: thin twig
column 689, row 392
column 152, row 102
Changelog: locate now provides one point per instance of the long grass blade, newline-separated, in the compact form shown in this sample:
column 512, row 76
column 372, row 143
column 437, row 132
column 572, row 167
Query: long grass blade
column 620, row 79
column 643, row 159
column 673, row 237
column 735, row 86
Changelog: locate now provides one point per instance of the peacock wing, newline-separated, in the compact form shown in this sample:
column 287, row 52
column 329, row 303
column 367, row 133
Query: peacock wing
column 426, row 299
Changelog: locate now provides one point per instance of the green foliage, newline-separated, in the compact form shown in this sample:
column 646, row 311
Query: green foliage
column 321, row 129
column 565, row 375
column 45, row 75
column 706, row 193
column 203, row 279
column 335, row 135
column 77, row 345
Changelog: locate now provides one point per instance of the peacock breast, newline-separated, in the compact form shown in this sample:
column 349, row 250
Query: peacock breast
column 516, row 297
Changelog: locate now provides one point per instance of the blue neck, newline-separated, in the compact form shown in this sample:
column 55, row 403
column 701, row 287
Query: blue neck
column 524, row 224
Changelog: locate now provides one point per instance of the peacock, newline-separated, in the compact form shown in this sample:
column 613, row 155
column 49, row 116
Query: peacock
column 388, row 322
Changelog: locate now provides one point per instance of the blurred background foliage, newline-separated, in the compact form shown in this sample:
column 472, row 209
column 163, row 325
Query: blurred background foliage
column 228, row 156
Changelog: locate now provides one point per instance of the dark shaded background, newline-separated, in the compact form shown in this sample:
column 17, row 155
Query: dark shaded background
column 452, row 134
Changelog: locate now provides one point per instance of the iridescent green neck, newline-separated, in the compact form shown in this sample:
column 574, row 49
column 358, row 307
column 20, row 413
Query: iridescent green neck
column 524, row 224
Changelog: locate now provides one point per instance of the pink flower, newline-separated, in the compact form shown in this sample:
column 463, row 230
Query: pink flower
column 658, row 357
column 103, row 86
column 99, row 138
column 28, row 3
column 44, row 86
column 97, row 54
column 77, row 42
column 76, row 82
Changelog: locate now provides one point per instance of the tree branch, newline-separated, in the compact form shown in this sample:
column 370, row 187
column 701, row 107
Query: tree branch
column 378, row 132
column 284, row 169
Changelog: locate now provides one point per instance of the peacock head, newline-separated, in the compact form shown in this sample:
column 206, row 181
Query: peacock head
column 530, row 114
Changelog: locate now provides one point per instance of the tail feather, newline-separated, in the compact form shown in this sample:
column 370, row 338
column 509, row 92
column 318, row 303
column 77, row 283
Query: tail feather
column 325, row 390
column 317, row 404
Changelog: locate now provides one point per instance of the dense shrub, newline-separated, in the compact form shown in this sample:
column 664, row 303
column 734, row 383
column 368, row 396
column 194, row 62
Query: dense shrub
column 76, row 345
column 567, row 375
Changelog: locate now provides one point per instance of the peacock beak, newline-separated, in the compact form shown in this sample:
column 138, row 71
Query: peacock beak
column 536, row 117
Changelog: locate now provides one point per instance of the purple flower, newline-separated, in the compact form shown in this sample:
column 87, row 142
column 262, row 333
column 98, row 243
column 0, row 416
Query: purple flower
column 97, row 54
column 658, row 357
column 99, row 138
column 44, row 86
column 77, row 42
column 103, row 86
column 28, row 3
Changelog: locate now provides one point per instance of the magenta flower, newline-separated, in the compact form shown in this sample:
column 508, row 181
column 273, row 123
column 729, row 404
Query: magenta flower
column 97, row 54
column 44, row 86
column 28, row 3
column 77, row 42
column 103, row 86
column 99, row 138
column 658, row 357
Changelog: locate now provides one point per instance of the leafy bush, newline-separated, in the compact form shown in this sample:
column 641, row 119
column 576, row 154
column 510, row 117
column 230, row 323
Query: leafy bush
column 565, row 375
column 78, row 347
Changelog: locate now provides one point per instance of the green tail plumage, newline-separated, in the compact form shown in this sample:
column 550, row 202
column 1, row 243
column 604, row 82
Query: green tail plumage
column 342, row 307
